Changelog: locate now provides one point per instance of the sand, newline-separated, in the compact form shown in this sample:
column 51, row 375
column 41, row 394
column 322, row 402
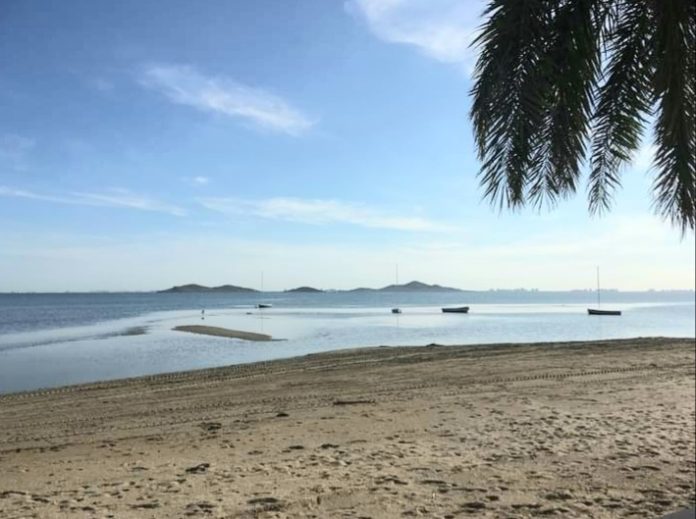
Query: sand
column 602, row 429
column 223, row 332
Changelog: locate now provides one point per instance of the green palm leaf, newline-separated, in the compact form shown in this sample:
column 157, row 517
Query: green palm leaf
column 556, row 77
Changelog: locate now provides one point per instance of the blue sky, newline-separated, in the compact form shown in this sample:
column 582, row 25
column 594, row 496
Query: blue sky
column 319, row 142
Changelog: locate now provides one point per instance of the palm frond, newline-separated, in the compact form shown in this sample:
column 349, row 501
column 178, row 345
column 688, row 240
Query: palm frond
column 550, row 72
column 508, row 106
column 623, row 101
column 675, row 182
column 574, row 65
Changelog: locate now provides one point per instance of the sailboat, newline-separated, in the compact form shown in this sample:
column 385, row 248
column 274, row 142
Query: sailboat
column 261, row 306
column 598, row 310
column 396, row 310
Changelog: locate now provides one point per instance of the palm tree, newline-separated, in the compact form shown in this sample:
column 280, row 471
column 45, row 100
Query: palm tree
column 564, row 83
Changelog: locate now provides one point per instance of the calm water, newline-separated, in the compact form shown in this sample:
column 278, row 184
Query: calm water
column 55, row 339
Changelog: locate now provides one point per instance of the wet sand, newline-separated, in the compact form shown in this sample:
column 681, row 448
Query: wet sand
column 595, row 429
column 223, row 332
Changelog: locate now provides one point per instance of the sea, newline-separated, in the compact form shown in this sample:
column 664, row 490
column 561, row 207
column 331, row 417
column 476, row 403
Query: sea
column 50, row 340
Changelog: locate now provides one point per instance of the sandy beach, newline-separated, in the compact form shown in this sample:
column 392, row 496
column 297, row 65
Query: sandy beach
column 594, row 429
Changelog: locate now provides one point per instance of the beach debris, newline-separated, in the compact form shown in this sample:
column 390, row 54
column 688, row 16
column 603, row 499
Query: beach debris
column 201, row 468
column 147, row 505
column 282, row 414
column 353, row 402
column 329, row 446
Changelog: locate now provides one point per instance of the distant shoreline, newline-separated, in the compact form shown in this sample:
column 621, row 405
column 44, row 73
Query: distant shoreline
column 676, row 291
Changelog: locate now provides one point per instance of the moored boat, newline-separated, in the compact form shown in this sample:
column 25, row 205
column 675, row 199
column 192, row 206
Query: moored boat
column 264, row 305
column 598, row 310
column 594, row 311
column 456, row 310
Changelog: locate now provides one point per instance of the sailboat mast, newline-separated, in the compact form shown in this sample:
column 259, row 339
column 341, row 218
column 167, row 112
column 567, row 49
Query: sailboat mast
column 598, row 296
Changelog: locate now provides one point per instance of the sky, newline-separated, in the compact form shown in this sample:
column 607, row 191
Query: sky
column 319, row 143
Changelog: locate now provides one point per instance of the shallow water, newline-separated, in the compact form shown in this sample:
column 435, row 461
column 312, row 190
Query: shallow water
column 55, row 339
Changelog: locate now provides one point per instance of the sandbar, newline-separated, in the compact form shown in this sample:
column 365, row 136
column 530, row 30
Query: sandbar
column 216, row 331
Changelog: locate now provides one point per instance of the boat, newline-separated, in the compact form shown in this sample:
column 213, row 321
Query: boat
column 598, row 310
column 594, row 311
column 396, row 310
column 261, row 306
column 456, row 310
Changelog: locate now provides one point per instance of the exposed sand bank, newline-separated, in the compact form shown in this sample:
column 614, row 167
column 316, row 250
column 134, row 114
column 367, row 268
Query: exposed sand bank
column 223, row 332
column 602, row 429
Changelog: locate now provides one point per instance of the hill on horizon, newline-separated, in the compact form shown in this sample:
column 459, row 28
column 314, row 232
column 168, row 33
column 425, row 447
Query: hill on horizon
column 193, row 287
column 413, row 286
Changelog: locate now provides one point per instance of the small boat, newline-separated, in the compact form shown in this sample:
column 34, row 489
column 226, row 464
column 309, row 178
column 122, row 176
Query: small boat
column 598, row 310
column 264, row 305
column 456, row 310
column 396, row 310
column 594, row 311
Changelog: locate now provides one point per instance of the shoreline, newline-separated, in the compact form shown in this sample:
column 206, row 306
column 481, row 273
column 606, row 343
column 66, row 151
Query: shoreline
column 601, row 428
column 168, row 375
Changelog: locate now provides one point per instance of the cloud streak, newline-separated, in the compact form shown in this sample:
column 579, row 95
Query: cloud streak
column 184, row 85
column 117, row 198
column 440, row 29
column 320, row 212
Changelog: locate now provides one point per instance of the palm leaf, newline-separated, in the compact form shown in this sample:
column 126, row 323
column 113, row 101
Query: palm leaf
column 623, row 100
column 674, row 95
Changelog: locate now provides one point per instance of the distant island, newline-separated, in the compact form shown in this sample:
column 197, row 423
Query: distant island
column 192, row 288
column 413, row 286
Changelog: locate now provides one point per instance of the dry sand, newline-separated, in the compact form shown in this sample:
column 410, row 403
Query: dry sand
column 601, row 429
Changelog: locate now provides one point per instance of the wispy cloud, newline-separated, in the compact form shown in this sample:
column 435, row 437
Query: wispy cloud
column 198, row 181
column 441, row 29
column 185, row 85
column 119, row 198
column 321, row 212
column 44, row 259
